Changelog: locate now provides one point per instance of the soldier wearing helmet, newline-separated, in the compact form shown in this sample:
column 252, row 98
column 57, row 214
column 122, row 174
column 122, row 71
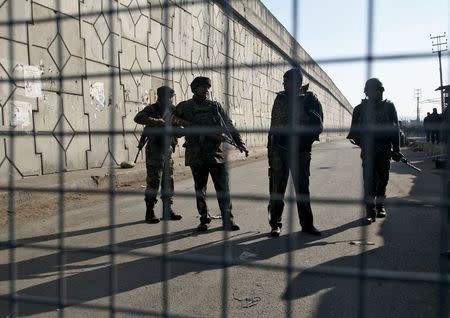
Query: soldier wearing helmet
column 158, row 159
column 375, row 129
column 299, row 103
column 205, row 153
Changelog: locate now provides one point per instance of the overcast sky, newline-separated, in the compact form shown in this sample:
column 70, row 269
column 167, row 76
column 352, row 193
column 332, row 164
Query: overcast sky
column 338, row 28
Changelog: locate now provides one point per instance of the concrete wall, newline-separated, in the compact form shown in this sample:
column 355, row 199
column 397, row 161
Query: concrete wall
column 96, row 71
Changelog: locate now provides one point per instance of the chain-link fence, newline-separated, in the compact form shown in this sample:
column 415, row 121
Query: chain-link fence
column 75, row 73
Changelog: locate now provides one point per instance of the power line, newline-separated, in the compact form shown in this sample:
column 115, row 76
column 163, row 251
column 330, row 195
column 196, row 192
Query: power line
column 437, row 46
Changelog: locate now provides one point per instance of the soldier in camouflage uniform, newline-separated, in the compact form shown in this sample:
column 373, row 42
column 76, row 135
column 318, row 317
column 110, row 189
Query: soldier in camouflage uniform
column 377, row 146
column 204, row 153
column 295, row 107
column 154, row 117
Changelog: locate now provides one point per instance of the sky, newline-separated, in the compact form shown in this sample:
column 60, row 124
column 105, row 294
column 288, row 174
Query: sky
column 338, row 28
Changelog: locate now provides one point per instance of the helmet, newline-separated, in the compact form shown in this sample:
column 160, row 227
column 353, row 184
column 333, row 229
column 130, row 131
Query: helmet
column 373, row 83
column 165, row 91
column 199, row 81
column 294, row 74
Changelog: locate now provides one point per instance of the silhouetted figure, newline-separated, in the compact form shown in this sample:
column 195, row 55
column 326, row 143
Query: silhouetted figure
column 375, row 129
column 293, row 107
column 443, row 137
column 435, row 122
column 426, row 126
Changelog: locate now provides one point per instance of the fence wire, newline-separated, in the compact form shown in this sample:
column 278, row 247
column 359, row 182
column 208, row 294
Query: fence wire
column 114, row 248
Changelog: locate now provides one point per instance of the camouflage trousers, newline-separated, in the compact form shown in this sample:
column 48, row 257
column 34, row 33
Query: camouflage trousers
column 159, row 173
column 279, row 169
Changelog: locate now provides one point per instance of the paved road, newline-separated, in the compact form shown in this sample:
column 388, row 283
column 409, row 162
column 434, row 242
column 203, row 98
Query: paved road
column 408, row 240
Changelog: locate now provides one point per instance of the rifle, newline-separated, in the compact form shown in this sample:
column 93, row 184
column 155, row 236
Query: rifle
column 141, row 144
column 402, row 160
column 408, row 163
column 228, row 136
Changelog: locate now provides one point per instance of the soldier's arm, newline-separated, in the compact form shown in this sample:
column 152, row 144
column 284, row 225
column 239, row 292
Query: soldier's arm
column 178, row 118
column 234, row 132
column 316, row 116
column 354, row 134
column 396, row 132
column 144, row 117
column 273, row 121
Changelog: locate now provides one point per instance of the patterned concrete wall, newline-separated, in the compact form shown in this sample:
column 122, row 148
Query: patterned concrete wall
column 71, row 73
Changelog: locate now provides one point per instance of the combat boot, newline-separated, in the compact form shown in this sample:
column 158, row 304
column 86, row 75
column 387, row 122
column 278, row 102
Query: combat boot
column 311, row 230
column 150, row 217
column 204, row 221
column 173, row 216
column 371, row 213
column 276, row 231
column 231, row 227
column 381, row 210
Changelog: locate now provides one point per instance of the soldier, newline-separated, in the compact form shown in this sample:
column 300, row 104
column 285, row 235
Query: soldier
column 426, row 126
column 204, row 153
column 294, row 102
column 435, row 122
column 156, row 157
column 378, row 145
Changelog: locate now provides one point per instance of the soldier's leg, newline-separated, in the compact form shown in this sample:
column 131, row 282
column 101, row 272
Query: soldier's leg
column 369, row 187
column 219, row 175
column 200, row 175
column 167, row 190
column 151, row 191
column 383, row 166
column 278, row 178
column 301, row 184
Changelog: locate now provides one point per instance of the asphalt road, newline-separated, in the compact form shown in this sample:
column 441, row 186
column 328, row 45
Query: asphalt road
column 259, row 282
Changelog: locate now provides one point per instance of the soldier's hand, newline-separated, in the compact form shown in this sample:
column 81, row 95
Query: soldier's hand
column 156, row 122
column 180, row 122
column 397, row 156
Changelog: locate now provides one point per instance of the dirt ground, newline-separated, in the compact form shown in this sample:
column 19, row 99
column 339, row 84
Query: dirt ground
column 32, row 206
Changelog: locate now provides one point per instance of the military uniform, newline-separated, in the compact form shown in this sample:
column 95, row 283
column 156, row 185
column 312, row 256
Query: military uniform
column 376, row 149
column 308, row 111
column 435, row 122
column 156, row 157
column 426, row 126
column 205, row 154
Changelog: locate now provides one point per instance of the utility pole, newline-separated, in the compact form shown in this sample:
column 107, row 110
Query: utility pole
column 418, row 96
column 437, row 43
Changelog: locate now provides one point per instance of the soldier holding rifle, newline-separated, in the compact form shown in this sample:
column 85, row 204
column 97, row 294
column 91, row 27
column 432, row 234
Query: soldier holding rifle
column 204, row 151
column 375, row 129
column 158, row 159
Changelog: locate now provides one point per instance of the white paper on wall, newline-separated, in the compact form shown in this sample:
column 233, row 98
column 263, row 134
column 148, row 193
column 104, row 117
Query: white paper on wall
column 32, row 77
column 97, row 93
column 21, row 114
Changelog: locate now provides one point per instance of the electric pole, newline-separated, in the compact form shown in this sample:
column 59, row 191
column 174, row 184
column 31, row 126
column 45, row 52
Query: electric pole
column 418, row 96
column 437, row 43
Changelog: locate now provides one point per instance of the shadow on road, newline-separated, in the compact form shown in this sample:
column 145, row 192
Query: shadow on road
column 411, row 243
column 94, row 284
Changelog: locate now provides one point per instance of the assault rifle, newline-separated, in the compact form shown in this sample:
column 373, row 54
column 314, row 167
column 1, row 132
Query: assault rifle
column 402, row 159
column 227, row 135
column 141, row 144
column 407, row 162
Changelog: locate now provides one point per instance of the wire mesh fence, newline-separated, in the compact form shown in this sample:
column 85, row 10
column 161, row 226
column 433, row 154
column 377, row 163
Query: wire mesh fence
column 74, row 74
